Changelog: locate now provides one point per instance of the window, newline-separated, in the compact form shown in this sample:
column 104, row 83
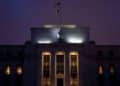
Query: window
column 73, row 58
column 7, row 76
column 112, row 75
column 8, row 70
column 46, row 68
column 74, row 68
column 112, row 69
column 46, row 58
column 19, row 70
column 99, row 53
column 19, row 75
column 100, row 69
column 20, row 53
column 111, row 53
column 101, row 77
column 60, row 63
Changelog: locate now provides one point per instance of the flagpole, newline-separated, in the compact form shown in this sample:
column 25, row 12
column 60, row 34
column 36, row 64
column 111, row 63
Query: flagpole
column 59, row 13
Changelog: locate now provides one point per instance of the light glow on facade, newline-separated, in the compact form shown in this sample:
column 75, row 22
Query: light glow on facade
column 44, row 42
column 112, row 70
column 73, row 53
column 19, row 70
column 58, row 35
column 100, row 70
column 57, row 26
column 74, row 40
column 8, row 70
column 46, row 53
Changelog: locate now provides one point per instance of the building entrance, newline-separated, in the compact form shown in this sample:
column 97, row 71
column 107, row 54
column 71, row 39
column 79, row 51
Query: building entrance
column 60, row 82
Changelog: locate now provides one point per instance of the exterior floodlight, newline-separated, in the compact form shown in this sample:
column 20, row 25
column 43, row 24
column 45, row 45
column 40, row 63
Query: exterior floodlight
column 70, row 26
column 57, row 26
column 54, row 33
column 50, row 26
column 74, row 40
column 44, row 42
column 58, row 35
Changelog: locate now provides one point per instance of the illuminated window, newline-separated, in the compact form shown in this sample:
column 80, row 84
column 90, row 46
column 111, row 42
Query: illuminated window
column 100, row 70
column 101, row 77
column 19, row 70
column 112, row 75
column 60, row 63
column 112, row 69
column 60, row 68
column 7, row 76
column 46, row 68
column 8, row 70
column 19, row 75
column 73, row 58
column 74, row 68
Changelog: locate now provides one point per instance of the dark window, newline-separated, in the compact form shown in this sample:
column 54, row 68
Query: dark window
column 99, row 53
column 111, row 53
column 1, row 52
column 46, row 73
column 73, row 75
column 20, row 53
column 9, row 53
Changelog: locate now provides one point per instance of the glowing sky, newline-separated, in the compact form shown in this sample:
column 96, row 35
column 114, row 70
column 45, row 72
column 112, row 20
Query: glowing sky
column 17, row 16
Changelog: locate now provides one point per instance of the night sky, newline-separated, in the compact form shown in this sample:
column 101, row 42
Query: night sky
column 18, row 16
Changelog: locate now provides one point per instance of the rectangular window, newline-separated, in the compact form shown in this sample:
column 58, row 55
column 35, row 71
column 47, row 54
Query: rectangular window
column 46, row 69
column 60, row 68
column 60, row 64
column 19, row 75
column 74, row 69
